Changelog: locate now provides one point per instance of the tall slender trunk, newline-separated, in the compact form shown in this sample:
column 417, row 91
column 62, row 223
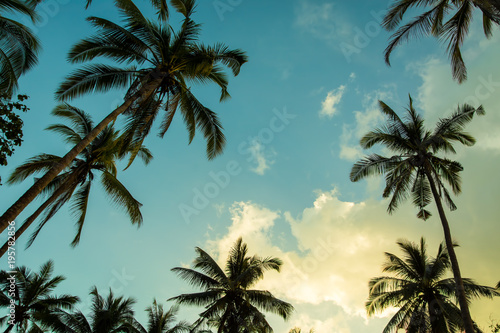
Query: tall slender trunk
column 464, row 307
column 60, row 190
column 34, row 190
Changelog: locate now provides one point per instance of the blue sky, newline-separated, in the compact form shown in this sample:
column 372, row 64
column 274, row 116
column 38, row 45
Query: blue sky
column 298, row 109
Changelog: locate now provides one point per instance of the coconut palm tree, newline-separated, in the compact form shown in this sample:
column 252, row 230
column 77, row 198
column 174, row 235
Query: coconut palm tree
column 425, row 298
column 18, row 45
column 161, row 321
column 416, row 169
column 32, row 295
column 167, row 63
column 299, row 330
column 230, row 304
column 74, row 183
column 108, row 314
column 447, row 20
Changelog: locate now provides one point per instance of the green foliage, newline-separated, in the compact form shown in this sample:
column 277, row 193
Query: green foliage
column 230, row 305
column 418, row 288
column 11, row 125
column 33, row 297
column 436, row 20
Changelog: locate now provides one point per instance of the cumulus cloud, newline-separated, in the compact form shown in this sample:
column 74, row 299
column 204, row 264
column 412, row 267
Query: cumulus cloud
column 263, row 157
column 365, row 121
column 329, row 104
column 339, row 248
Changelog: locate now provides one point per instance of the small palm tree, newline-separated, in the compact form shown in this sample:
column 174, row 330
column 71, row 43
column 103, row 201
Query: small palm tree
column 108, row 315
column 416, row 170
column 160, row 321
column 436, row 22
column 166, row 64
column 230, row 305
column 299, row 330
column 74, row 184
column 426, row 299
column 18, row 45
column 32, row 296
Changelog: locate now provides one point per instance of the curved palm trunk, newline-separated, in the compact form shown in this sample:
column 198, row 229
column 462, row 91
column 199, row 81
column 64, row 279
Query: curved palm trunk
column 34, row 190
column 464, row 307
column 9, row 328
column 63, row 188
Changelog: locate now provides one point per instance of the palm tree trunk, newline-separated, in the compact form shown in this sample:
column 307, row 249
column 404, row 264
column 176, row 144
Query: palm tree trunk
column 464, row 307
column 34, row 190
column 9, row 328
column 63, row 188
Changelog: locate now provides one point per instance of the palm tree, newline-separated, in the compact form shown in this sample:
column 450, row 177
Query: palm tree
column 417, row 170
column 18, row 45
column 75, row 182
column 160, row 321
column 230, row 305
column 32, row 296
column 108, row 315
column 437, row 21
column 168, row 62
column 299, row 330
column 425, row 298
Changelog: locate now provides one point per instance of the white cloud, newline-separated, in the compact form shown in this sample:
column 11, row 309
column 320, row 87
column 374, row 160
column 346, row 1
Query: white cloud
column 333, row 98
column 365, row 121
column 322, row 21
column 262, row 157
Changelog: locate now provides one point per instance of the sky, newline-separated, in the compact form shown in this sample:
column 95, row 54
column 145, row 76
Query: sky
column 298, row 109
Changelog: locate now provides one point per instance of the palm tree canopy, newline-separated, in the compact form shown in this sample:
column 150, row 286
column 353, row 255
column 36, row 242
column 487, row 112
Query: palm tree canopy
column 107, row 314
column 33, row 296
column 160, row 65
column 161, row 321
column 449, row 21
column 99, row 157
column 418, row 287
column 416, row 152
column 228, row 300
column 18, row 45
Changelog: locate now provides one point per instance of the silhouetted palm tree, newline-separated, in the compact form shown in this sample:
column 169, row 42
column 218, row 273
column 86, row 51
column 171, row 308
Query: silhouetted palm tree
column 32, row 296
column 74, row 184
column 425, row 298
column 437, row 21
column 169, row 62
column 230, row 305
column 18, row 45
column 108, row 315
column 160, row 321
column 416, row 170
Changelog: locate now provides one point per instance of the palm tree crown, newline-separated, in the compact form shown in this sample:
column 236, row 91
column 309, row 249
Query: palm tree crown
column 160, row 66
column 75, row 182
column 108, row 315
column 447, row 20
column 230, row 304
column 426, row 299
column 18, row 45
column 161, row 321
column 33, row 297
column 417, row 170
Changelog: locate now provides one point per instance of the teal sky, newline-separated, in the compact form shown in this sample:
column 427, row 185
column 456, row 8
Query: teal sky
column 298, row 108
